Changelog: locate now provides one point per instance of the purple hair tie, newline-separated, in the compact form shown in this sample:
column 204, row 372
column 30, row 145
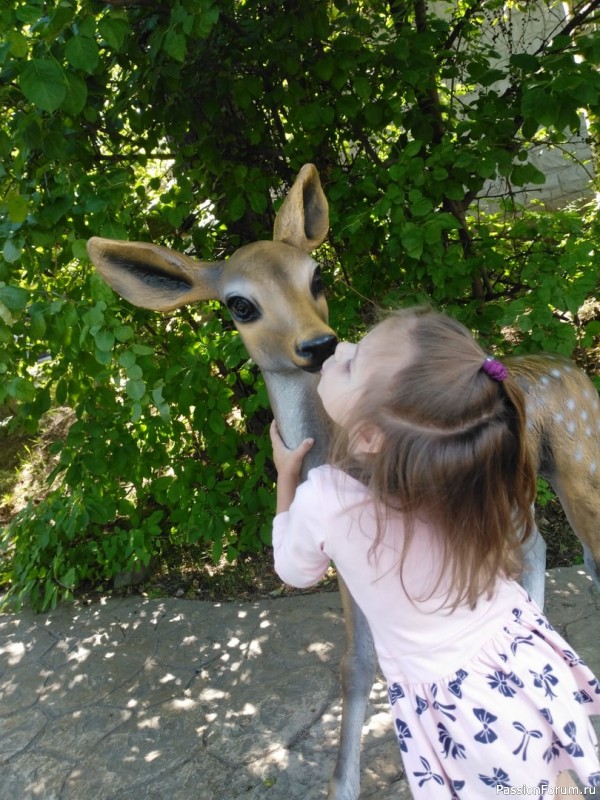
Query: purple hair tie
column 495, row 369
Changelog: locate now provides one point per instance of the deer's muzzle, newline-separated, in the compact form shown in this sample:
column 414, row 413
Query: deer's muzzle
column 316, row 351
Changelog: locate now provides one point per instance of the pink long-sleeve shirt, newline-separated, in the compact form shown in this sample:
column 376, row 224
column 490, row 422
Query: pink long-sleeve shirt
column 332, row 518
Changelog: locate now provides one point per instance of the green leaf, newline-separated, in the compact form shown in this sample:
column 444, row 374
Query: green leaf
column 6, row 316
column 61, row 392
column 237, row 208
column 82, row 53
column 412, row 240
column 175, row 44
column 134, row 372
column 413, row 148
column 539, row 105
column 324, row 68
column 79, row 250
column 127, row 359
column 363, row 88
column 21, row 389
column 527, row 173
column 18, row 43
column 37, row 327
column 136, row 389
column 103, row 357
column 14, row 297
column 205, row 21
column 258, row 202
column 113, row 31
column 76, row 96
column 525, row 61
column 419, row 205
column 216, row 423
column 50, row 596
column 95, row 316
column 68, row 579
column 104, row 340
column 490, row 76
column 160, row 403
column 6, row 145
column 314, row 115
column 61, row 17
column 142, row 349
column 44, row 84
column 123, row 333
column 17, row 206
column 157, row 393
column 529, row 128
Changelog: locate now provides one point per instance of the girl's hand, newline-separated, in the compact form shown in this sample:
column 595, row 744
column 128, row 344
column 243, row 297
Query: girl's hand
column 288, row 464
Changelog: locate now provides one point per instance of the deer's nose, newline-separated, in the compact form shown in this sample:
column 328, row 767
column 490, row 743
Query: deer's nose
column 317, row 350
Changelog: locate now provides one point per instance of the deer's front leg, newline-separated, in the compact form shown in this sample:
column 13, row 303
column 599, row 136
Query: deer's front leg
column 358, row 673
column 533, row 579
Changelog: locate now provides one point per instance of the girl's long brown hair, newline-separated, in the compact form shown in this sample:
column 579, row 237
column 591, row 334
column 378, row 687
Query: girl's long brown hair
column 453, row 452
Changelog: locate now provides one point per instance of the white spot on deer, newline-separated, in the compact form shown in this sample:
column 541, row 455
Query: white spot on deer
column 544, row 380
column 559, row 418
column 555, row 373
column 593, row 468
column 579, row 454
column 571, row 426
column 571, row 404
column 584, row 415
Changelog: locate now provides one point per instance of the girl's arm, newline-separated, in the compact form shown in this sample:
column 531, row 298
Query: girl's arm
column 298, row 554
column 288, row 464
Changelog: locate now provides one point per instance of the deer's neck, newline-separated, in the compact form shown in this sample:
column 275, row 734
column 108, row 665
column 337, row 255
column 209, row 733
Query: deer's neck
column 299, row 413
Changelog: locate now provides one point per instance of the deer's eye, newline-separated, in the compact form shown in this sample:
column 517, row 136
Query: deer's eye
column 242, row 310
column 316, row 285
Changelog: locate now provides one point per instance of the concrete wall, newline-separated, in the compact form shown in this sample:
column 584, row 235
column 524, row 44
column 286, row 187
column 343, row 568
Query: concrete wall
column 568, row 167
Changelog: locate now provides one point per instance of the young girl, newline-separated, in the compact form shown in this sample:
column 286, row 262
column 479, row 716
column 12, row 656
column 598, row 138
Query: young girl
column 423, row 511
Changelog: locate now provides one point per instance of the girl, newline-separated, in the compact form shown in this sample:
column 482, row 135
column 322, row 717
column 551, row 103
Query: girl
column 424, row 510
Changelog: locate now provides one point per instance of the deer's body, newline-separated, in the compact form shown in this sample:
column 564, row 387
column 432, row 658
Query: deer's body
column 563, row 430
column 275, row 297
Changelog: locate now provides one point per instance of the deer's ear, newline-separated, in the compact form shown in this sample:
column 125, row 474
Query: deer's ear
column 154, row 277
column 303, row 219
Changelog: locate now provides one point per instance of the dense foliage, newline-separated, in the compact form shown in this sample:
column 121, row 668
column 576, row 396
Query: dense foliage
column 184, row 122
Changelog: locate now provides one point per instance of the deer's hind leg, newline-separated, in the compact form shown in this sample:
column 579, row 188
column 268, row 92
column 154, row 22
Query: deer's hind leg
column 579, row 494
column 573, row 466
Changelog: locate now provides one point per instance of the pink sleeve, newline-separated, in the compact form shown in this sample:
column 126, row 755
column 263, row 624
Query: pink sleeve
column 298, row 538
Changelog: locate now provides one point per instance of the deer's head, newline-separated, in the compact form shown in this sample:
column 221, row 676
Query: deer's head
column 273, row 288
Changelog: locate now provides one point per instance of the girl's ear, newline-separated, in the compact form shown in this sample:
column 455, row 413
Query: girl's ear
column 370, row 439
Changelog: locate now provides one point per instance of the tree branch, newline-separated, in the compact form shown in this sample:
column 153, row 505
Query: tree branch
column 132, row 3
column 577, row 20
column 456, row 32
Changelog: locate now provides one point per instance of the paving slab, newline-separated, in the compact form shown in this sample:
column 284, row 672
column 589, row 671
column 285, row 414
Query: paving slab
column 175, row 699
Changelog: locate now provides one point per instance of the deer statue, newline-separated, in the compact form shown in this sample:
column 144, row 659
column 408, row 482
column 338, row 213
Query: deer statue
column 274, row 293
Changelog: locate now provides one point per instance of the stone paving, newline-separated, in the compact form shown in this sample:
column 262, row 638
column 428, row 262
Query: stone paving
column 170, row 699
